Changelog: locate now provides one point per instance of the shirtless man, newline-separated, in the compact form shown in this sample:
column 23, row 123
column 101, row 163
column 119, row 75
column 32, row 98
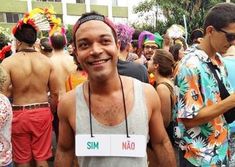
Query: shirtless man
column 110, row 99
column 31, row 77
column 64, row 65
column 63, row 62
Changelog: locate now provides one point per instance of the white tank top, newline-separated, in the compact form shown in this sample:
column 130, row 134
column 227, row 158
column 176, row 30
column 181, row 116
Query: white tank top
column 137, row 124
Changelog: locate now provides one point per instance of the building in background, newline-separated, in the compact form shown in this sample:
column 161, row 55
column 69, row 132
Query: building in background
column 68, row 10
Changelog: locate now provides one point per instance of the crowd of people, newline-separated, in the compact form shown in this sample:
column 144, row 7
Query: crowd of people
column 116, row 96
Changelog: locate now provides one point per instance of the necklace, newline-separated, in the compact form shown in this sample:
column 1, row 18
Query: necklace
column 124, row 105
column 27, row 50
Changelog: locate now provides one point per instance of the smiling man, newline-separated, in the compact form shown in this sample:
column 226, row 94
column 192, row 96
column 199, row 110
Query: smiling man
column 107, row 119
column 149, row 43
column 204, row 93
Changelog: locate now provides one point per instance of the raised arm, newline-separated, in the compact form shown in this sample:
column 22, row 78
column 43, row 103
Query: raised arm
column 66, row 143
column 159, row 139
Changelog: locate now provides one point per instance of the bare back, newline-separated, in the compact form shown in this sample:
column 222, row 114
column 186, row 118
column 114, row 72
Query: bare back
column 64, row 65
column 30, row 74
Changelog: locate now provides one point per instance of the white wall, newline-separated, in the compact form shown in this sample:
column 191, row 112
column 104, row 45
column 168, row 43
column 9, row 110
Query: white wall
column 106, row 2
column 100, row 2
column 71, row 20
column 123, row 3
column 70, row 1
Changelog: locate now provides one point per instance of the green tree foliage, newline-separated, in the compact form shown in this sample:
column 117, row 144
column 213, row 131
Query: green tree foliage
column 69, row 31
column 173, row 11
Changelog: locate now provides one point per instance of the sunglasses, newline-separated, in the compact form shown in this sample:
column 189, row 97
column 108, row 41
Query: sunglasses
column 152, row 47
column 230, row 36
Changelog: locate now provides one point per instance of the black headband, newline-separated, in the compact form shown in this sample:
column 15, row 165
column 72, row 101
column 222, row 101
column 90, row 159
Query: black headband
column 94, row 17
column 91, row 17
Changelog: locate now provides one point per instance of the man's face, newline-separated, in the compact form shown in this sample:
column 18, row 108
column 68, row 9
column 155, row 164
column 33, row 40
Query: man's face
column 96, row 49
column 70, row 49
column 223, row 38
column 149, row 50
column 181, row 53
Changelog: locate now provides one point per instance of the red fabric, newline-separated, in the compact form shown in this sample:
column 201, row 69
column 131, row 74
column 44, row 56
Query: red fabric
column 32, row 134
column 4, row 50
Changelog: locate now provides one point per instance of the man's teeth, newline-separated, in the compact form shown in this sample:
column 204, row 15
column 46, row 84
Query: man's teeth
column 98, row 62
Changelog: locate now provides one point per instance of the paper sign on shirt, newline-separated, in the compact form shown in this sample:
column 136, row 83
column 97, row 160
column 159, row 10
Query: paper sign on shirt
column 99, row 145
column 111, row 145
column 134, row 146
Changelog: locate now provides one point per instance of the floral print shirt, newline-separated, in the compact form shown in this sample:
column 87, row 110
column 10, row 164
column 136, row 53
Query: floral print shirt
column 5, row 131
column 196, row 87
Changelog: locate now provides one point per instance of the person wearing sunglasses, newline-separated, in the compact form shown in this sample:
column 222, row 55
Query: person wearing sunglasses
column 204, row 95
column 229, row 36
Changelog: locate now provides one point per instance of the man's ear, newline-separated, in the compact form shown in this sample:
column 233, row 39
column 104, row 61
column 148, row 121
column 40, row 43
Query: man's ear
column 210, row 30
column 118, row 44
column 18, row 43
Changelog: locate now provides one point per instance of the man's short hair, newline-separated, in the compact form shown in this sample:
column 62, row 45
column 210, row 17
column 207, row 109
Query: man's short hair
column 195, row 34
column 45, row 45
column 58, row 41
column 220, row 16
column 26, row 33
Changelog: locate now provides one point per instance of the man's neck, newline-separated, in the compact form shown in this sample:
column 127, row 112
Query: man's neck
column 25, row 47
column 107, row 86
column 206, row 47
column 58, row 52
column 123, row 55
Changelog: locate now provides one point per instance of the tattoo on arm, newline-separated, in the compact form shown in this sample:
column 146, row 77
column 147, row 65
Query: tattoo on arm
column 3, row 79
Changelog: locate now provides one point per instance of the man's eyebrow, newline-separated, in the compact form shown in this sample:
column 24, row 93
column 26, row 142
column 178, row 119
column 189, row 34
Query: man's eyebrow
column 82, row 39
column 105, row 35
column 101, row 36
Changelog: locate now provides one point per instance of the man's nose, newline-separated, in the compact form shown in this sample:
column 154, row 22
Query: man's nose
column 96, row 49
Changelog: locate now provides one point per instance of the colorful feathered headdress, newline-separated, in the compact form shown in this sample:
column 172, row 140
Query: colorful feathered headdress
column 40, row 20
column 147, row 37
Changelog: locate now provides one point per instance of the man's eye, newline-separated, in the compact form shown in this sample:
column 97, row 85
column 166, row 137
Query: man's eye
column 106, row 41
column 82, row 45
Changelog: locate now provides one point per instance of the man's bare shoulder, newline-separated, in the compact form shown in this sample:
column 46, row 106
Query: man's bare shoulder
column 67, row 101
column 66, row 97
column 148, row 88
column 151, row 98
column 59, row 56
column 19, row 56
column 65, row 62
column 10, row 62
column 9, row 59
column 150, row 92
